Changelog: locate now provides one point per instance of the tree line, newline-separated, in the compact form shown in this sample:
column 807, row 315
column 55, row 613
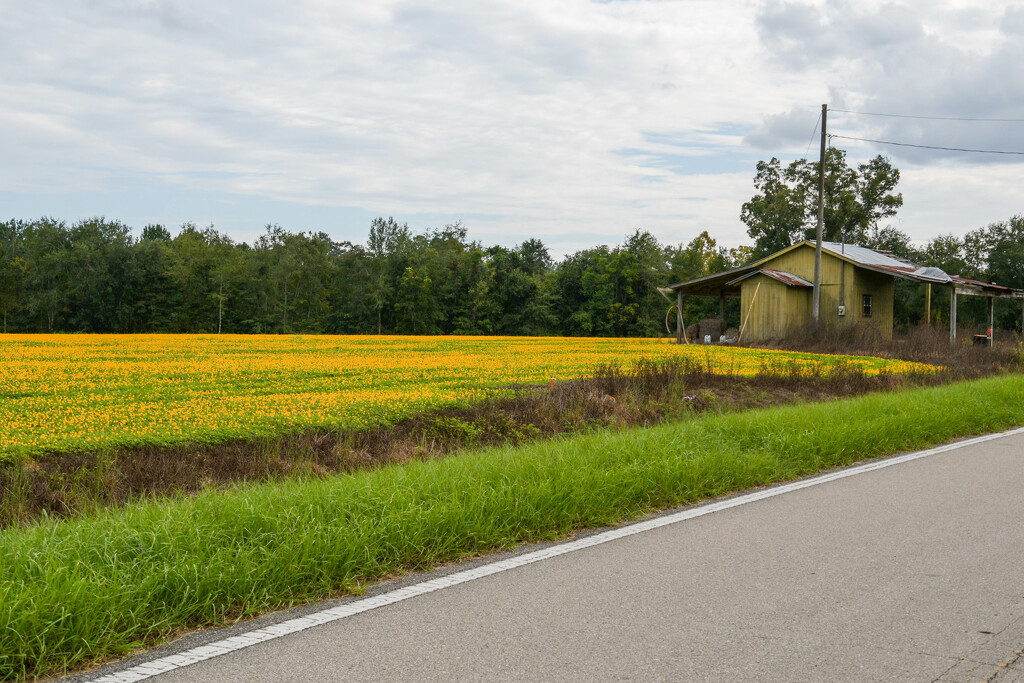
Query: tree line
column 95, row 276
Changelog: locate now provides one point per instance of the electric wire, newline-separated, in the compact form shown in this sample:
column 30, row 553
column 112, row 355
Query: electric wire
column 808, row 151
column 907, row 144
column 927, row 118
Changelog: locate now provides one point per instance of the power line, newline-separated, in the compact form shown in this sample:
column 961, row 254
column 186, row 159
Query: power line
column 808, row 151
column 927, row 118
column 948, row 149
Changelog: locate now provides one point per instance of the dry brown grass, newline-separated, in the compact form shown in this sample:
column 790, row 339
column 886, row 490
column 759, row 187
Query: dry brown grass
column 919, row 344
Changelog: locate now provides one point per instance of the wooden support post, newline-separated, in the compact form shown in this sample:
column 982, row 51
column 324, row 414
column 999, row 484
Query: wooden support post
column 747, row 316
column 991, row 320
column 952, row 316
column 721, row 305
column 928, row 304
column 679, row 317
column 816, row 294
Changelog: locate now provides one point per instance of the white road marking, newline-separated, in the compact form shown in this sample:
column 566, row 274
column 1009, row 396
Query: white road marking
column 211, row 650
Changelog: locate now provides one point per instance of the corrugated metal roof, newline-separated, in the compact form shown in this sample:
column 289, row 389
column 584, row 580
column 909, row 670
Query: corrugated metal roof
column 787, row 278
column 887, row 262
column 780, row 275
column 725, row 283
column 982, row 285
column 863, row 254
column 710, row 284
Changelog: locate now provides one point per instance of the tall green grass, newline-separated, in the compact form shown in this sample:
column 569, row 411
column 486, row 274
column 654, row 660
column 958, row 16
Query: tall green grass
column 99, row 586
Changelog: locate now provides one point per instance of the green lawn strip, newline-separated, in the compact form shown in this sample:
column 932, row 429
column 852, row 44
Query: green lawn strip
column 99, row 586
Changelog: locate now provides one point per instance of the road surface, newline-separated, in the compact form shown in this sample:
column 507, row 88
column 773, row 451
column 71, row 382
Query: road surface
column 911, row 572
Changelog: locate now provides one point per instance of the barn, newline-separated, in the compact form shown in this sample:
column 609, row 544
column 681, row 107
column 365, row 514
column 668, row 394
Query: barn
column 857, row 289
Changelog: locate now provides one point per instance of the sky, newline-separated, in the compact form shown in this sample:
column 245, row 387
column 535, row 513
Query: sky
column 572, row 121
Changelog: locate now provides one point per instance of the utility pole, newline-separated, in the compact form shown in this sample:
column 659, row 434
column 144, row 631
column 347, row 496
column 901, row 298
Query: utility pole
column 816, row 305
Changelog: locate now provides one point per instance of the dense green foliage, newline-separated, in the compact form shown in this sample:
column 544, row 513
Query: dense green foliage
column 94, row 276
column 786, row 209
column 994, row 253
column 99, row 586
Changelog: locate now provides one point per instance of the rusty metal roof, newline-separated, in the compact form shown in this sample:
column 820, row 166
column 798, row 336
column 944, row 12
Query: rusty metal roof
column 981, row 285
column 780, row 275
column 788, row 278
column 877, row 260
column 710, row 285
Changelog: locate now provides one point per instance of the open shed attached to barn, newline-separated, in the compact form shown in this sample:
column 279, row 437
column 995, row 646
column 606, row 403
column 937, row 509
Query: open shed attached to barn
column 857, row 289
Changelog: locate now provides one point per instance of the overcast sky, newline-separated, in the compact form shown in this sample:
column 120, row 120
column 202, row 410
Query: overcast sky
column 572, row 121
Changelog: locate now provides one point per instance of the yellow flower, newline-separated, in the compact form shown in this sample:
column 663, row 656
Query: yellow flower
column 70, row 392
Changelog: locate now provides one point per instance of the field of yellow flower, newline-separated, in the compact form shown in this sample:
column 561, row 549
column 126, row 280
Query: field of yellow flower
column 63, row 393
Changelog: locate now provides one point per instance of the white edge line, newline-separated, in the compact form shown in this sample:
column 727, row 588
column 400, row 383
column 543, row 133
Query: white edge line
column 238, row 642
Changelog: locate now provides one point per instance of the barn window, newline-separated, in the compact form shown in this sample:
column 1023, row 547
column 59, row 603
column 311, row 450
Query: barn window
column 866, row 304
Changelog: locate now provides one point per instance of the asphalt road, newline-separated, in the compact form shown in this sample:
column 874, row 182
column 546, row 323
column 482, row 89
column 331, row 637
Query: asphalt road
column 914, row 572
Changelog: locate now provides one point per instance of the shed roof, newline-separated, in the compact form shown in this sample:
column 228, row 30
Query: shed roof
column 986, row 288
column 879, row 261
column 862, row 257
column 883, row 261
column 780, row 275
column 711, row 285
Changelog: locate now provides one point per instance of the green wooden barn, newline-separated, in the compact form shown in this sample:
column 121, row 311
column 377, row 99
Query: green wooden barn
column 857, row 289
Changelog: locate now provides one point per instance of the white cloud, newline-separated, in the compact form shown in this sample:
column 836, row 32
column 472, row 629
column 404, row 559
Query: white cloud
column 943, row 198
column 937, row 59
column 571, row 121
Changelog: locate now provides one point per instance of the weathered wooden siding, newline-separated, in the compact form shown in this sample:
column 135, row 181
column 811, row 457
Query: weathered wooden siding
column 800, row 262
column 883, row 291
column 781, row 310
column 777, row 309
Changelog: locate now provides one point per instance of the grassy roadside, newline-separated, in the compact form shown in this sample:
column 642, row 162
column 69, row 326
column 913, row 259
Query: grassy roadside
column 100, row 586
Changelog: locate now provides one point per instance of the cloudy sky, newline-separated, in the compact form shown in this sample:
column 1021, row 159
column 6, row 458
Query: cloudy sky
column 572, row 121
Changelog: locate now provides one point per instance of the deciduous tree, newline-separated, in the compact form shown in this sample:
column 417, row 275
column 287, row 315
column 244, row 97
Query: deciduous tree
column 857, row 201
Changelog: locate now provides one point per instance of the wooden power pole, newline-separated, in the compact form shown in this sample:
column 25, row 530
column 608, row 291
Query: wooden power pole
column 816, row 304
